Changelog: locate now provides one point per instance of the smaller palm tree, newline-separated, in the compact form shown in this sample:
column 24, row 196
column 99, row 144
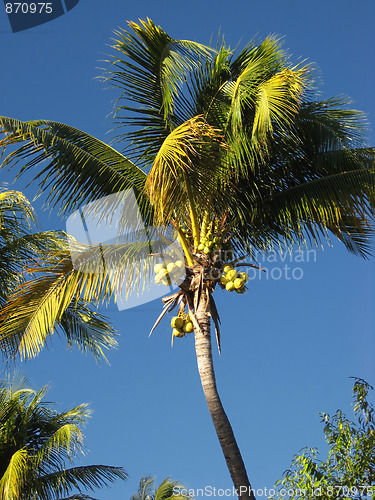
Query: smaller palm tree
column 168, row 490
column 38, row 443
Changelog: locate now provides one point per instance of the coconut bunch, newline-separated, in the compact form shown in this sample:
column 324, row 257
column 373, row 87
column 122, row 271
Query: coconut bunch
column 181, row 325
column 232, row 280
column 165, row 272
column 210, row 244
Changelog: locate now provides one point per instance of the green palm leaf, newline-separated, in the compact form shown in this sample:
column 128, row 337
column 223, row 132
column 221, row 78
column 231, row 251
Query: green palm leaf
column 310, row 209
column 88, row 330
column 88, row 477
column 151, row 75
column 76, row 162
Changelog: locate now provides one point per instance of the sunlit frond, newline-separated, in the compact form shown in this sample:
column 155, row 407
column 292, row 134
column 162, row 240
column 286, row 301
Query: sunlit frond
column 187, row 169
column 12, row 480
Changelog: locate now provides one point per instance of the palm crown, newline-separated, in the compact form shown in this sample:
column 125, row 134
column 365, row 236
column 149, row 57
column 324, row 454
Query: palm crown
column 231, row 149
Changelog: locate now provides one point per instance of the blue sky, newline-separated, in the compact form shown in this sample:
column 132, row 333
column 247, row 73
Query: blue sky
column 289, row 346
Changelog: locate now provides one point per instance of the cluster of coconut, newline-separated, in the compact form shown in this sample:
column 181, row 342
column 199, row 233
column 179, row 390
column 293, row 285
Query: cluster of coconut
column 181, row 325
column 166, row 273
column 232, row 280
column 210, row 244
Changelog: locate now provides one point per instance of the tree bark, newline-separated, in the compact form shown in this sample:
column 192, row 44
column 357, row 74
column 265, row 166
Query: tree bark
column 222, row 425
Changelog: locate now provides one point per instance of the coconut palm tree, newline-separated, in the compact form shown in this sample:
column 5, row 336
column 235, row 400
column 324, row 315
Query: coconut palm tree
column 38, row 443
column 20, row 249
column 167, row 490
column 233, row 150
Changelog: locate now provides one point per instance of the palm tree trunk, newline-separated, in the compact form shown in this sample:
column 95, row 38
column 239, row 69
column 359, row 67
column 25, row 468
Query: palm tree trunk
column 222, row 425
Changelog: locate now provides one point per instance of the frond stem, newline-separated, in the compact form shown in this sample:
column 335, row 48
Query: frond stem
column 192, row 213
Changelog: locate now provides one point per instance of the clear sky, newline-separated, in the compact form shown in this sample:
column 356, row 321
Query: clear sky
column 289, row 346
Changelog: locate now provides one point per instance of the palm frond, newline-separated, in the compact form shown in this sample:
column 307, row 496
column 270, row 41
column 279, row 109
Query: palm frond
column 89, row 477
column 78, row 496
column 16, row 213
column 79, row 167
column 263, row 85
column 308, row 211
column 12, row 481
column 168, row 490
column 36, row 306
column 146, row 489
column 150, row 75
column 64, row 442
column 184, row 172
column 88, row 329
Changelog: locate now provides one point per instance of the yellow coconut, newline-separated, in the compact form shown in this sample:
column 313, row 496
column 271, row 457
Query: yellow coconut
column 232, row 275
column 230, row 286
column 227, row 268
column 177, row 322
column 188, row 327
column 158, row 267
column 238, row 283
column 170, row 267
column 245, row 277
column 162, row 273
column 178, row 333
column 223, row 279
